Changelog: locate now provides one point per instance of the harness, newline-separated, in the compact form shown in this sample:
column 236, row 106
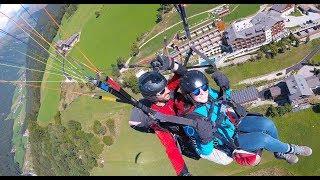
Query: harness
column 235, row 118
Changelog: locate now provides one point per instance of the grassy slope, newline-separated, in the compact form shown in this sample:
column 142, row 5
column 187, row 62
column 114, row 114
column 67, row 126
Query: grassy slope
column 316, row 58
column 50, row 98
column 243, row 10
column 113, row 33
column 99, row 42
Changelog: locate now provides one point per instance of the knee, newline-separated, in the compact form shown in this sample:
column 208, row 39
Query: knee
column 268, row 124
column 226, row 161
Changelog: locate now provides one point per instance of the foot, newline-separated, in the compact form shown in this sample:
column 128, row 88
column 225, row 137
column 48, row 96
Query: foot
column 301, row 150
column 290, row 158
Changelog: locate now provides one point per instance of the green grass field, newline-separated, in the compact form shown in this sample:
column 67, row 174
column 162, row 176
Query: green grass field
column 19, row 142
column 316, row 59
column 243, row 10
column 296, row 13
column 99, row 42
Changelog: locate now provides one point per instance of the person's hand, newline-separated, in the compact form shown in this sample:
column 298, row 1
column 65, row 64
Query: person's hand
column 221, row 80
column 161, row 63
column 205, row 130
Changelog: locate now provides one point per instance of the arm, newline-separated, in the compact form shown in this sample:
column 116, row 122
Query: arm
column 174, row 82
column 223, row 82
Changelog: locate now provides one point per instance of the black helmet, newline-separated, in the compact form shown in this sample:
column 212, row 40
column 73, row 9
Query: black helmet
column 191, row 80
column 151, row 83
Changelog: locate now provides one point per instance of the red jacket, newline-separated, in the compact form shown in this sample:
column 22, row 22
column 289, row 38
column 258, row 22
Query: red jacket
column 172, row 107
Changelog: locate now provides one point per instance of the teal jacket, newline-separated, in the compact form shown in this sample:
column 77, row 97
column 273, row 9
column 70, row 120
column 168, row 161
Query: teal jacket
column 203, row 111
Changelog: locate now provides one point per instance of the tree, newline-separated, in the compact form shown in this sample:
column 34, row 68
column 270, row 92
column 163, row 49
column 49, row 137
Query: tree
column 98, row 128
column 274, row 50
column 271, row 111
column 281, row 111
column 297, row 42
column 134, row 49
column 307, row 39
column 281, row 46
column 288, row 107
column 264, row 48
column 74, row 125
column 111, row 125
column 163, row 9
column 107, row 140
column 159, row 18
column 97, row 13
column 131, row 81
column 259, row 54
column 120, row 62
column 115, row 71
column 57, row 118
column 292, row 37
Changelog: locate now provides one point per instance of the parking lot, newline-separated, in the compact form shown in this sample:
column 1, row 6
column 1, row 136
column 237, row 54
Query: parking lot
column 292, row 21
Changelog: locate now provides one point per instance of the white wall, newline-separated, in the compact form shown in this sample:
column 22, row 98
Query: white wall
column 289, row 11
column 268, row 35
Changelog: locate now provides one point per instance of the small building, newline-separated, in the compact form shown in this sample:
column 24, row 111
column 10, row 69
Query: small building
column 283, row 9
column 294, row 90
column 314, row 83
column 245, row 96
column 63, row 47
column 299, row 90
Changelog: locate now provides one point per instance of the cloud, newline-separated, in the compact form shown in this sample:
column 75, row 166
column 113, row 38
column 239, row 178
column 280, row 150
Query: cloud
column 9, row 10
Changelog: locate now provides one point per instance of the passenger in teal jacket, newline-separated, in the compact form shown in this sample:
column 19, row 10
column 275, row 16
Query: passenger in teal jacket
column 252, row 133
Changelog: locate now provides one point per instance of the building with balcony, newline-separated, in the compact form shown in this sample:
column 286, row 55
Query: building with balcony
column 261, row 29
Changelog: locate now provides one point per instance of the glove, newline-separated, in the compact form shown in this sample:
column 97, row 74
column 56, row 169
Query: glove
column 162, row 63
column 205, row 130
column 221, row 80
column 179, row 69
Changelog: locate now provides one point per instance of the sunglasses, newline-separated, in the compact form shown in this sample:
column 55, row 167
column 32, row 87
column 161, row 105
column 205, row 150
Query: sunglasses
column 196, row 92
column 162, row 92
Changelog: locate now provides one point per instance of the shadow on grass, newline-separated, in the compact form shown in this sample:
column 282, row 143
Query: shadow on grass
column 137, row 157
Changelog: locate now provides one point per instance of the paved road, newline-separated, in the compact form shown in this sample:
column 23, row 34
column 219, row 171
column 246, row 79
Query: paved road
column 304, row 60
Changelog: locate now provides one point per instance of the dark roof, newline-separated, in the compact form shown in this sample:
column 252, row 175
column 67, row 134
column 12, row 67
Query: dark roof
column 245, row 95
